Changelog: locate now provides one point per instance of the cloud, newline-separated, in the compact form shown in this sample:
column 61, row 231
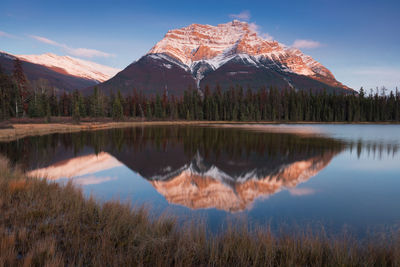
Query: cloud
column 92, row 180
column 370, row 77
column 254, row 27
column 4, row 34
column 244, row 15
column 45, row 40
column 79, row 52
column 301, row 191
column 86, row 52
column 306, row 44
column 387, row 71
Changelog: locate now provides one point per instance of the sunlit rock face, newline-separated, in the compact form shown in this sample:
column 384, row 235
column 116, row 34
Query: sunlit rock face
column 78, row 166
column 228, row 54
column 218, row 44
column 200, row 188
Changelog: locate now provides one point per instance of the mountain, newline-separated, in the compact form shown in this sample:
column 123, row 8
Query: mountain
column 199, row 186
column 72, row 66
column 197, row 167
column 78, row 166
column 63, row 73
column 228, row 54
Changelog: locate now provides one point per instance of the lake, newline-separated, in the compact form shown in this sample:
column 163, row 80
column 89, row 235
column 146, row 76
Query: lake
column 340, row 177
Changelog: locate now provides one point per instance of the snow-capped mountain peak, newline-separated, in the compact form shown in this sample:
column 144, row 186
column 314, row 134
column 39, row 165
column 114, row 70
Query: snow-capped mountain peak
column 217, row 45
column 228, row 55
column 72, row 66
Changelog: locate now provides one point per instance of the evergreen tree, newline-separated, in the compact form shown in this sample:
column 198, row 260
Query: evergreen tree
column 76, row 114
column 117, row 111
column 158, row 107
column 48, row 112
column 21, row 103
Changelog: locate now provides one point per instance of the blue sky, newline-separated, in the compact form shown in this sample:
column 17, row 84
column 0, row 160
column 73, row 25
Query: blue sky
column 359, row 41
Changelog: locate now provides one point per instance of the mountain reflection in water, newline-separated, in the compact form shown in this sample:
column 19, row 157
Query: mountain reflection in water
column 199, row 188
column 196, row 167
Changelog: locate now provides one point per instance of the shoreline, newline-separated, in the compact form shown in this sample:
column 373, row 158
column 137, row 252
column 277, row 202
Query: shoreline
column 17, row 130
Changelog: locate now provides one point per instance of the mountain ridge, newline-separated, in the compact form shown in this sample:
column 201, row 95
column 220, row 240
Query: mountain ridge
column 203, row 52
column 72, row 66
column 56, row 77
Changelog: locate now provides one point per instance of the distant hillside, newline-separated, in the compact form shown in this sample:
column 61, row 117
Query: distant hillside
column 57, row 77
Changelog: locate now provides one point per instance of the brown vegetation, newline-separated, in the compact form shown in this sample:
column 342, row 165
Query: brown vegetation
column 19, row 128
column 43, row 223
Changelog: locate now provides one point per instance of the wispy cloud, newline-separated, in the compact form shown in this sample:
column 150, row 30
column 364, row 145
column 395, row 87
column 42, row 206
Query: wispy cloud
column 79, row 52
column 45, row 40
column 266, row 36
column 301, row 191
column 305, row 44
column 387, row 71
column 92, row 180
column 378, row 76
column 5, row 34
column 86, row 52
column 244, row 15
column 369, row 77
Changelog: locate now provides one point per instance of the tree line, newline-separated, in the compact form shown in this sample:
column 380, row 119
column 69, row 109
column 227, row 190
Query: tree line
column 19, row 98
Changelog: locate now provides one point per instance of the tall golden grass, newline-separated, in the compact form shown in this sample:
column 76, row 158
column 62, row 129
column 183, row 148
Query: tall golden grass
column 45, row 224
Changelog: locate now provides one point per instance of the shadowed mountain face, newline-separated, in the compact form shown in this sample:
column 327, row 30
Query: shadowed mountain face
column 199, row 168
column 228, row 54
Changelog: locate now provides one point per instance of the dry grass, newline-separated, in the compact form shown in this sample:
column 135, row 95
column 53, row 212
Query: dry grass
column 45, row 224
column 18, row 129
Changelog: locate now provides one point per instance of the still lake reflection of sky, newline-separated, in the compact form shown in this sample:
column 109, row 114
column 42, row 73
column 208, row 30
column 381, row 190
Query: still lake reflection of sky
column 343, row 176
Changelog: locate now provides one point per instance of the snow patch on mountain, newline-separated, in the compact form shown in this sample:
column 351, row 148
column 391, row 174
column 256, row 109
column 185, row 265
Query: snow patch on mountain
column 73, row 66
column 6, row 55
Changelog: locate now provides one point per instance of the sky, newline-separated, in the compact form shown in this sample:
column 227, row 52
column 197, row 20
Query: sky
column 358, row 40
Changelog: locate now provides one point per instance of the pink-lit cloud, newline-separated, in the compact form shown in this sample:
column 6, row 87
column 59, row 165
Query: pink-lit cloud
column 5, row 34
column 254, row 27
column 301, row 191
column 305, row 44
column 79, row 52
column 244, row 15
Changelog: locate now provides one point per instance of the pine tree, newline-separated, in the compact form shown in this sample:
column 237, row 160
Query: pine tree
column 76, row 114
column 7, row 95
column 158, row 107
column 48, row 112
column 21, row 104
column 149, row 113
column 117, row 110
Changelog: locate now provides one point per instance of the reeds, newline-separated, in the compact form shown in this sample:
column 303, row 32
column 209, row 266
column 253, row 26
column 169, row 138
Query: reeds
column 44, row 223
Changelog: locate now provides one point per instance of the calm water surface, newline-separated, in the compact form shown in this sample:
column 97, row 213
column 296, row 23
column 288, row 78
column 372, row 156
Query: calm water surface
column 338, row 176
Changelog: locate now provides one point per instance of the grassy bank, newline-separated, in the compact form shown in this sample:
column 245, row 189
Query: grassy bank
column 19, row 128
column 47, row 224
column 16, row 129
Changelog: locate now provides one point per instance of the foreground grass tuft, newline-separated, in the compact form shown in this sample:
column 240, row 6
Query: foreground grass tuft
column 45, row 224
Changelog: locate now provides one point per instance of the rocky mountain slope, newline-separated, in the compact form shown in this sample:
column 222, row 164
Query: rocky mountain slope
column 228, row 54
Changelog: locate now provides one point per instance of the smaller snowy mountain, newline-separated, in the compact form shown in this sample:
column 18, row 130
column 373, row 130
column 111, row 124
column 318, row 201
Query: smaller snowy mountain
column 72, row 66
column 57, row 78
